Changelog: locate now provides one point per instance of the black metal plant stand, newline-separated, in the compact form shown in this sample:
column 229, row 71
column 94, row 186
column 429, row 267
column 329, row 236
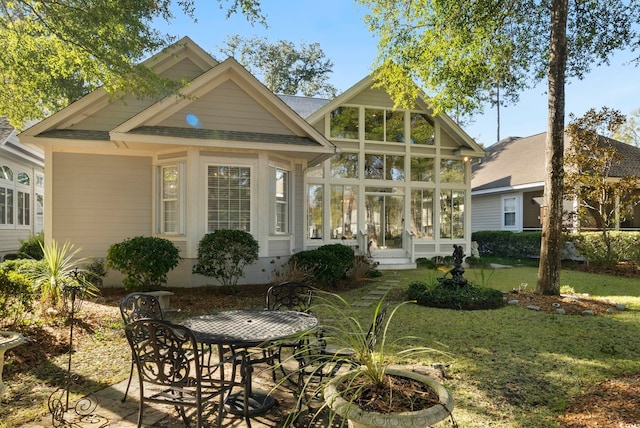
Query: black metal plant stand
column 82, row 411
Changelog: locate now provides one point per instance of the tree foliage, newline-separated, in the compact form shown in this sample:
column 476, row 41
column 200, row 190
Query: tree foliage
column 282, row 67
column 54, row 52
column 589, row 162
column 629, row 131
column 458, row 51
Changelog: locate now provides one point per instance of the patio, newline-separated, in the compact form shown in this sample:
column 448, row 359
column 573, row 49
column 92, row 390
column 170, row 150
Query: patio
column 117, row 414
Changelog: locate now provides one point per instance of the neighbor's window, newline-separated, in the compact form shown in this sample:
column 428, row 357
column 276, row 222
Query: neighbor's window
column 422, row 213
column 228, row 198
column 282, row 201
column 170, row 202
column 344, row 123
column 314, row 211
column 344, row 212
column 23, row 201
column 452, row 171
column 6, row 195
column 422, row 131
column 344, row 165
column 452, row 214
column 39, row 224
column 509, row 212
column 6, row 205
column 24, row 208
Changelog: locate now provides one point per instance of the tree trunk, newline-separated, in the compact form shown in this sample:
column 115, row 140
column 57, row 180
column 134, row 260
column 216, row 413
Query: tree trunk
column 551, row 243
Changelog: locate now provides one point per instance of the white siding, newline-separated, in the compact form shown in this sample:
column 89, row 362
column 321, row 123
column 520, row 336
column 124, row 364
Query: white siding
column 485, row 213
column 100, row 200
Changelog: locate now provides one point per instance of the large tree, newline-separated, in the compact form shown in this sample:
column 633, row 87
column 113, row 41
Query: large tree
column 459, row 50
column 283, row 67
column 53, row 52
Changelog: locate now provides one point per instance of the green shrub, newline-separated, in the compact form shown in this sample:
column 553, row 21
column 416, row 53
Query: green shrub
column 223, row 254
column 468, row 297
column 145, row 261
column 32, row 247
column 591, row 246
column 95, row 271
column 16, row 296
column 425, row 262
column 416, row 288
column 330, row 262
column 476, row 261
column 504, row 243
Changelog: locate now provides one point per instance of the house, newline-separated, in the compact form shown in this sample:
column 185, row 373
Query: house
column 226, row 153
column 21, row 190
column 508, row 184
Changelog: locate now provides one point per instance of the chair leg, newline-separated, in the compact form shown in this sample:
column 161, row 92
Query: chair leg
column 126, row 391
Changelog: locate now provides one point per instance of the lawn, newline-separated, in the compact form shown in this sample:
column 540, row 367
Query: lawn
column 508, row 367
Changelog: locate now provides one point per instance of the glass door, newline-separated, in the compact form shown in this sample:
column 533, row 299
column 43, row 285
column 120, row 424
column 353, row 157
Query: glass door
column 385, row 220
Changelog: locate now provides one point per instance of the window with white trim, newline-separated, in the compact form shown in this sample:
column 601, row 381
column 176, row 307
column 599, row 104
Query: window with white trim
column 170, row 217
column 6, row 195
column 228, row 198
column 509, row 210
column 281, row 201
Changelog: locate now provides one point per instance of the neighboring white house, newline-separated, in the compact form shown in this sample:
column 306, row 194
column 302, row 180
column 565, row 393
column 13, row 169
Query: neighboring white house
column 508, row 184
column 21, row 190
column 295, row 172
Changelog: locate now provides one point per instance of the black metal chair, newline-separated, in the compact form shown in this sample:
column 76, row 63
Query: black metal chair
column 136, row 306
column 289, row 296
column 168, row 361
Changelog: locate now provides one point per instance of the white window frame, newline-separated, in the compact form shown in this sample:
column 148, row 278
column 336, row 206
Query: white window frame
column 504, row 212
column 252, row 186
column 179, row 199
column 281, row 206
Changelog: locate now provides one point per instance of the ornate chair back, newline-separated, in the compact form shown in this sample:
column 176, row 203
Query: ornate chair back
column 136, row 306
column 291, row 296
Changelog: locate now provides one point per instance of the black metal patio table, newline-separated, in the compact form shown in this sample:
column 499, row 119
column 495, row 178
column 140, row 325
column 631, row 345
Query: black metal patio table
column 247, row 329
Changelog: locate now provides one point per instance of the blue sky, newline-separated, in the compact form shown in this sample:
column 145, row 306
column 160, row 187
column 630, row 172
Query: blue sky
column 338, row 26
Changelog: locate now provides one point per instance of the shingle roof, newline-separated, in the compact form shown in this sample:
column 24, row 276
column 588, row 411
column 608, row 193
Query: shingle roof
column 304, row 106
column 521, row 161
column 212, row 134
column 5, row 129
column 166, row 131
column 511, row 162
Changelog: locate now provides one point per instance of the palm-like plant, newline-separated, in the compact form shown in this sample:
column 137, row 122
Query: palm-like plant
column 363, row 346
column 59, row 268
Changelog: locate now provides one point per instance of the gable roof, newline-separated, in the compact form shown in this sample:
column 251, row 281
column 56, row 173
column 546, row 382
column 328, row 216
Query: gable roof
column 517, row 162
column 154, row 123
column 468, row 148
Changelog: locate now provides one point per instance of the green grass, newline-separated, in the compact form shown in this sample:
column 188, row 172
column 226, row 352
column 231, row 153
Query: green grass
column 506, row 368
column 511, row 367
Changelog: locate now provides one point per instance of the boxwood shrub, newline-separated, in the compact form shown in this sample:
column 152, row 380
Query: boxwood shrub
column 330, row 262
column 467, row 297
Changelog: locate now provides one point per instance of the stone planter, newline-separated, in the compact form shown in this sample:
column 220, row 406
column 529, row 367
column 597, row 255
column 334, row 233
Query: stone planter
column 8, row 340
column 358, row 418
